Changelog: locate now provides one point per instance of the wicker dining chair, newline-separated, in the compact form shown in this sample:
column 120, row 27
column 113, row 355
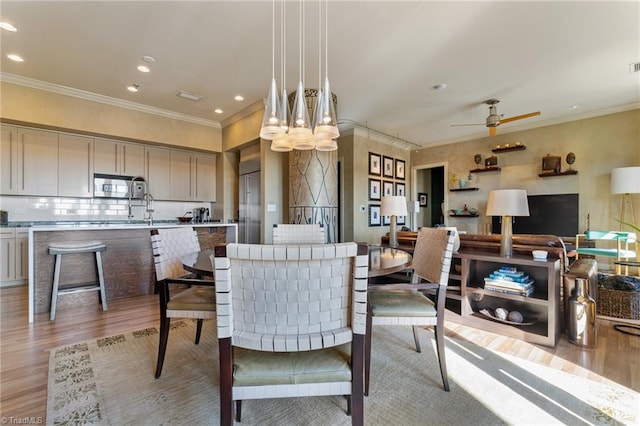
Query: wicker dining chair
column 288, row 233
column 291, row 323
column 181, row 295
column 407, row 303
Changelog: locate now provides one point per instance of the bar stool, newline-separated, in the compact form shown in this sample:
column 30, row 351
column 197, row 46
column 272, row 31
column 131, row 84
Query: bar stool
column 77, row 247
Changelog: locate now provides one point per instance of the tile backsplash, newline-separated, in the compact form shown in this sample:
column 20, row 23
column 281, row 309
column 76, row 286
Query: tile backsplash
column 36, row 209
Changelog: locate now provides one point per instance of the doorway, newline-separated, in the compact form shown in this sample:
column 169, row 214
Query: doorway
column 430, row 180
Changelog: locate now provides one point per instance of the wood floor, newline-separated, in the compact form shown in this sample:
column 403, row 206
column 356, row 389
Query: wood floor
column 24, row 347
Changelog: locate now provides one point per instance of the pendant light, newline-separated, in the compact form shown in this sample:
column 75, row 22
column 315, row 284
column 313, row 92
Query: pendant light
column 326, row 122
column 271, row 118
column 300, row 131
column 282, row 142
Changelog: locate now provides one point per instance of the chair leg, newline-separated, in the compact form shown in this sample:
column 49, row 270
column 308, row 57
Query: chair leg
column 54, row 290
column 226, row 381
column 357, row 391
column 367, row 350
column 348, row 398
column 439, row 331
column 165, row 324
column 238, row 411
column 416, row 338
column 198, row 330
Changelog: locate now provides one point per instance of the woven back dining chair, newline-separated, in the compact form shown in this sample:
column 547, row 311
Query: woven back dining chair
column 181, row 295
column 291, row 323
column 407, row 303
column 287, row 233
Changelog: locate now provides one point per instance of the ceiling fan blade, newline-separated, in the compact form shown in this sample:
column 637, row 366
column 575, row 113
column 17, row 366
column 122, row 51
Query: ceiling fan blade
column 474, row 124
column 492, row 131
column 519, row 117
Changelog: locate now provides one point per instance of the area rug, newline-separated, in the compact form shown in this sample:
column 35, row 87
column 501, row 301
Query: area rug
column 110, row 381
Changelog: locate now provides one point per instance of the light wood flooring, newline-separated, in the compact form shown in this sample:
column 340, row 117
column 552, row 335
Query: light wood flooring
column 24, row 347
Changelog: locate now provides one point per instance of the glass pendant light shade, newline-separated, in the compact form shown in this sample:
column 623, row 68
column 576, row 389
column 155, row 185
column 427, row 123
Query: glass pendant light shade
column 326, row 123
column 327, row 145
column 299, row 128
column 281, row 144
column 271, row 118
column 284, row 111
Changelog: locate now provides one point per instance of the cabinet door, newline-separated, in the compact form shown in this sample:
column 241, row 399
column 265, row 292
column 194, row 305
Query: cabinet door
column 9, row 160
column 132, row 158
column 22, row 254
column 7, row 259
column 205, row 177
column 75, row 166
column 159, row 172
column 37, row 162
column 181, row 170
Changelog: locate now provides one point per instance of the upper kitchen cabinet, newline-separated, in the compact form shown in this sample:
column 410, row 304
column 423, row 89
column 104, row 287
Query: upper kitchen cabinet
column 118, row 158
column 29, row 162
column 75, row 166
column 193, row 176
column 158, row 164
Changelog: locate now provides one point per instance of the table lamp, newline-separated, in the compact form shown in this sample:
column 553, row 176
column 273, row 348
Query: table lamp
column 393, row 206
column 626, row 181
column 507, row 203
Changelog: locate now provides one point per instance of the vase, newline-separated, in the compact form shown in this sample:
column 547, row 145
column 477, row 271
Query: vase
column 582, row 316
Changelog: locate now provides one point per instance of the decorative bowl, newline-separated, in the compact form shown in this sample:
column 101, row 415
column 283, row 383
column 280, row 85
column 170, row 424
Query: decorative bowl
column 539, row 254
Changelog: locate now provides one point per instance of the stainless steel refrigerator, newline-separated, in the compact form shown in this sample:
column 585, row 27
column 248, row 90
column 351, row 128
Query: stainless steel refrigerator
column 249, row 226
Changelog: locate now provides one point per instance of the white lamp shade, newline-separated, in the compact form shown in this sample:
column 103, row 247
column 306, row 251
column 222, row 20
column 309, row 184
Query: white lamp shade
column 393, row 205
column 625, row 180
column 508, row 202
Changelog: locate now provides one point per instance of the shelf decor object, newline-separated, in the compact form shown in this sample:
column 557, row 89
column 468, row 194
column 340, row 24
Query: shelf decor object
column 506, row 148
column 393, row 206
column 507, row 203
column 626, row 181
column 551, row 164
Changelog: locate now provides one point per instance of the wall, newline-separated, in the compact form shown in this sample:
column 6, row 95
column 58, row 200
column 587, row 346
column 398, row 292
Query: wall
column 600, row 144
column 46, row 108
column 353, row 147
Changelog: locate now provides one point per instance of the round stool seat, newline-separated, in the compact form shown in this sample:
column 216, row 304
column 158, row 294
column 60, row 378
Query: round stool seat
column 76, row 247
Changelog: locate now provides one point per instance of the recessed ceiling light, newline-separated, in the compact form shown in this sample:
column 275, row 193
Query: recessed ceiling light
column 133, row 88
column 190, row 96
column 440, row 86
column 7, row 26
column 218, row 111
column 143, row 68
column 15, row 58
column 239, row 98
column 573, row 107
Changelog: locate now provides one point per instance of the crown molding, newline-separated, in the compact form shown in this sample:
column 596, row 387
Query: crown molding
column 256, row 106
column 94, row 97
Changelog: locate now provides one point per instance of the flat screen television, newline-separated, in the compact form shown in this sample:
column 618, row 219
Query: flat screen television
column 555, row 214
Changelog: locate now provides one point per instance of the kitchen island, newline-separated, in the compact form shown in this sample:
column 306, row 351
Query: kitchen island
column 128, row 262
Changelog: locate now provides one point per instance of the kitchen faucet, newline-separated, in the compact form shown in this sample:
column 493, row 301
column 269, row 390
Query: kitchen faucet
column 149, row 202
column 133, row 180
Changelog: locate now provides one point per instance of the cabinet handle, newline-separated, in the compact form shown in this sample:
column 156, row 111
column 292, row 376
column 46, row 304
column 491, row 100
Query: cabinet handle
column 115, row 156
column 89, row 168
column 11, row 156
column 124, row 159
column 23, row 162
column 196, row 177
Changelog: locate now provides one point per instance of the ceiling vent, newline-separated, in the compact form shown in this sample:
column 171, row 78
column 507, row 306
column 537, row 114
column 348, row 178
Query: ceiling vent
column 635, row 67
column 190, row 96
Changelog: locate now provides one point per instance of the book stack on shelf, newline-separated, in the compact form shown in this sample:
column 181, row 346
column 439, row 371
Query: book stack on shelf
column 508, row 279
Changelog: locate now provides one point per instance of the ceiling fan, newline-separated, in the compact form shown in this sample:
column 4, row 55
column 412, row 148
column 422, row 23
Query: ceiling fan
column 494, row 119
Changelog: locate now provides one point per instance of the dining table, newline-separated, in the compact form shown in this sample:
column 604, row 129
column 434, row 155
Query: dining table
column 383, row 260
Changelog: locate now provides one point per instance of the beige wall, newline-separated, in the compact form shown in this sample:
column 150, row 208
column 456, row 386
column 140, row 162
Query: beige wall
column 600, row 144
column 35, row 106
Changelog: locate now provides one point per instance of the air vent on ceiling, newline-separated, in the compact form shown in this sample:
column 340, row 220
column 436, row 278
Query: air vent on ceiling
column 635, row 67
column 190, row 96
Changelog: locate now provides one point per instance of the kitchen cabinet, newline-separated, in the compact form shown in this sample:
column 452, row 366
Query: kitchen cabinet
column 29, row 162
column 14, row 255
column 466, row 296
column 158, row 172
column 75, row 166
column 193, row 176
column 114, row 157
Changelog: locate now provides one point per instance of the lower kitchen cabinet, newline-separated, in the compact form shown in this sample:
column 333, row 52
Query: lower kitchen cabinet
column 14, row 255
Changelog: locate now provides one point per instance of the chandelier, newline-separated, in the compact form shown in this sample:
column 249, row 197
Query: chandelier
column 295, row 130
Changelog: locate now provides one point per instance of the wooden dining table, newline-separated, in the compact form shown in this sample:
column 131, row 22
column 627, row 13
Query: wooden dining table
column 382, row 261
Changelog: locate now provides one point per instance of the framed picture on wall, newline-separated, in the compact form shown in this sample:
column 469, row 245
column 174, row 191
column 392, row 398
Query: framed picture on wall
column 400, row 169
column 400, row 189
column 423, row 199
column 387, row 167
column 386, row 220
column 387, row 188
column 375, row 168
column 401, row 220
column 375, row 190
column 374, row 215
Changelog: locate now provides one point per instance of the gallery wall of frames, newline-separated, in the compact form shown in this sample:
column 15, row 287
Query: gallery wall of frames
column 386, row 177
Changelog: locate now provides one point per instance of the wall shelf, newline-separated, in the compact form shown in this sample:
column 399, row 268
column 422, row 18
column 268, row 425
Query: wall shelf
column 565, row 173
column 509, row 148
column 464, row 189
column 486, row 169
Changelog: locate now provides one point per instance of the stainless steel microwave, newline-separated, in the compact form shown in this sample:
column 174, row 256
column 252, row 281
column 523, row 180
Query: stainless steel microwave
column 112, row 186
